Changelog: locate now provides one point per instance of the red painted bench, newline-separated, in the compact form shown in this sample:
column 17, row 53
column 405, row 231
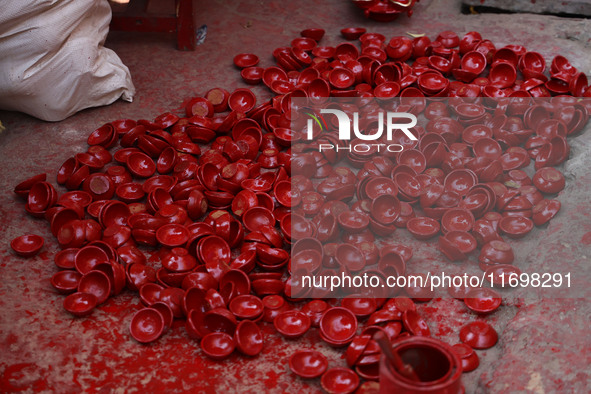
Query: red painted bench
column 157, row 16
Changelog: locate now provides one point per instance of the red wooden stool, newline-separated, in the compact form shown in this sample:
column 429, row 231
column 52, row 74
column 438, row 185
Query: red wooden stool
column 152, row 16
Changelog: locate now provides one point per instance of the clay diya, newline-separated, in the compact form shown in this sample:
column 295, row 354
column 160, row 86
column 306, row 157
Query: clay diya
column 101, row 136
column 272, row 74
column 248, row 338
column 264, row 287
column 218, row 319
column 27, row 245
column 217, row 345
column 200, row 106
column 246, row 306
column 146, row 325
column 130, row 192
column 460, row 181
column 338, row 326
column 415, row 324
column 308, row 364
column 356, row 349
column 274, row 305
column 314, row 309
column 23, row 188
column 252, row 75
column 178, row 260
column 483, row 300
column 352, row 33
column 66, row 281
column 516, row 226
column 310, row 260
column 141, row 165
column 193, row 299
column 172, row 235
column 473, row 133
column 479, row 335
column 502, row 75
column 150, row 293
column 544, row 211
column 432, row 83
column 341, row 78
column 242, row 100
column 352, row 221
column 385, row 209
column 548, row 180
column 467, row 355
column 496, row 252
column 339, row 380
column 456, row 245
column 314, row 33
column 244, row 60
column 349, row 256
column 423, row 227
column 393, row 259
column 114, row 213
column 139, row 274
column 89, row 257
column 256, row 217
column 346, row 51
column 456, row 219
column 80, row 304
column 473, row 62
column 166, row 313
column 361, row 307
column 304, row 42
column 96, row 283
column 292, row 324
column 65, row 259
column 387, row 90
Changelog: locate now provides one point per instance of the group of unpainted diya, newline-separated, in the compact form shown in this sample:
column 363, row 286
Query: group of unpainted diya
column 212, row 191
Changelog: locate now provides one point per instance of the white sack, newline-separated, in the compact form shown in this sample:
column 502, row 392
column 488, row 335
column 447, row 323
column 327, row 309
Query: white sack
column 52, row 60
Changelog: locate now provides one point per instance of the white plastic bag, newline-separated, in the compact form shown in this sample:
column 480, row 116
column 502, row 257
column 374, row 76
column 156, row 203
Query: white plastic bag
column 52, row 60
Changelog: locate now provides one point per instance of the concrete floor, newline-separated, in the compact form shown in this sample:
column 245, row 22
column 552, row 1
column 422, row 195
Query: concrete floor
column 544, row 346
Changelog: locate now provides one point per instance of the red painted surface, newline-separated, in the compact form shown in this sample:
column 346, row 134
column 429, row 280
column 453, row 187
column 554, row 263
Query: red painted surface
column 137, row 17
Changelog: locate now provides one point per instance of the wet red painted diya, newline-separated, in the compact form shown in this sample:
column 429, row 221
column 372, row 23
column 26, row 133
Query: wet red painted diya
column 292, row 324
column 80, row 304
column 146, row 325
column 308, row 364
column 482, row 300
column 27, row 245
column 479, row 335
column 339, row 380
column 468, row 356
column 217, row 345
column 338, row 326
column 248, row 338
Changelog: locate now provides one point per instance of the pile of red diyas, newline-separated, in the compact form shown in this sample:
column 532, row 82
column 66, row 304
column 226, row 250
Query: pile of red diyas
column 212, row 189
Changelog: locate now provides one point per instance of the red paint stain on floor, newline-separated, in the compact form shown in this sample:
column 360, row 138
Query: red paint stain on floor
column 586, row 240
column 21, row 376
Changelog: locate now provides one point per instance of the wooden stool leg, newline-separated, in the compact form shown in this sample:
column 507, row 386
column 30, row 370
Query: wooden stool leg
column 185, row 26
